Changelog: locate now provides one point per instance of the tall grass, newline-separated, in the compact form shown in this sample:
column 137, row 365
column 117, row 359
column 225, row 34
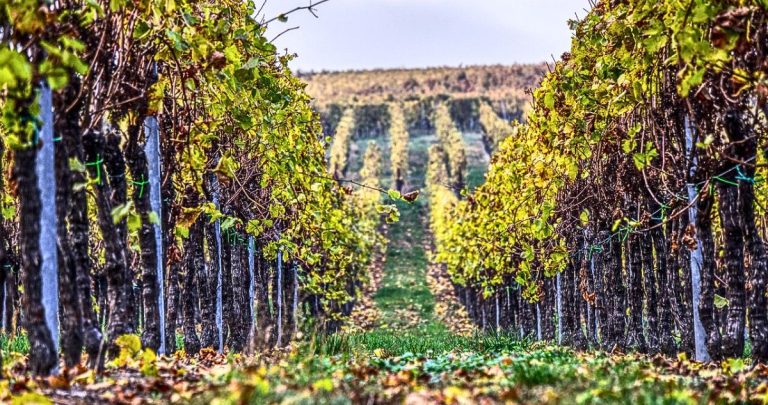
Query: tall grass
column 14, row 344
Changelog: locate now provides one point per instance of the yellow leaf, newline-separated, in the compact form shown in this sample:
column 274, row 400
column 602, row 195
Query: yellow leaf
column 148, row 363
column 131, row 343
column 31, row 398
column 584, row 217
column 325, row 384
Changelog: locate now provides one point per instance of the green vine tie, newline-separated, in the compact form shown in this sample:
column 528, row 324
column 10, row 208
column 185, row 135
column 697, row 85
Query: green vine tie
column 97, row 163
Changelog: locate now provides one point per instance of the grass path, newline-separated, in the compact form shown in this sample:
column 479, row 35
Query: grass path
column 404, row 297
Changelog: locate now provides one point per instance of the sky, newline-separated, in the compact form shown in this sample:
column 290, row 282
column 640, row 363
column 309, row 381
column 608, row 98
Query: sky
column 364, row 34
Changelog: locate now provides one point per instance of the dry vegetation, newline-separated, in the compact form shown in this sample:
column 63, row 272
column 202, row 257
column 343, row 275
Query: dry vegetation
column 496, row 82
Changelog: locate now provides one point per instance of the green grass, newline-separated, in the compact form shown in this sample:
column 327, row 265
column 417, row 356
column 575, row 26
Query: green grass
column 405, row 285
column 477, row 160
column 404, row 298
column 418, row 157
column 350, row 369
column 14, row 344
column 432, row 340
column 404, row 291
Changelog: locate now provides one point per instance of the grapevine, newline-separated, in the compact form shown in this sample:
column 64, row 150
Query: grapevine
column 453, row 146
column 623, row 155
column 243, row 189
column 398, row 135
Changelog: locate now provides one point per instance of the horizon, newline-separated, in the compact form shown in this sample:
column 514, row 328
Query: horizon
column 353, row 35
column 461, row 66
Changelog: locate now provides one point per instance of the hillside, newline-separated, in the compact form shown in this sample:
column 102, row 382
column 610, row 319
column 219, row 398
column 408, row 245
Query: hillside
column 505, row 88
column 497, row 82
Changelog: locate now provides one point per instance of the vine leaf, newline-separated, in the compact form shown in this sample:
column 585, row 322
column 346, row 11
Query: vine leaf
column 721, row 302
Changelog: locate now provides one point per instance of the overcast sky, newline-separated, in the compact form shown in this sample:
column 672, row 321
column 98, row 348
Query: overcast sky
column 354, row 34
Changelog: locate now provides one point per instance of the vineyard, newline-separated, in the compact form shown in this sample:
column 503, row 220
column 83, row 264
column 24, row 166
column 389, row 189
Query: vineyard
column 418, row 91
column 185, row 220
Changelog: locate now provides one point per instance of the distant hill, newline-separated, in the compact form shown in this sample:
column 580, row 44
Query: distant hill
column 496, row 82
column 463, row 88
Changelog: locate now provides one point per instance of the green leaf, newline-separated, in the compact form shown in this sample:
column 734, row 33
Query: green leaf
column 721, row 302
column 253, row 227
column 228, row 223
column 227, row 166
column 707, row 141
column 141, row 30
column 121, row 211
column 149, row 363
column 326, row 384
column 116, row 5
column 628, row 145
column 642, row 160
column 17, row 65
column 394, row 194
column 232, row 54
column 57, row 80
column 276, row 210
column 394, row 216
column 134, row 222
column 154, row 219
column 79, row 187
column 616, row 225
column 243, row 75
column 76, row 165
column 72, row 43
column 584, row 217
column 549, row 101
column 129, row 342
column 691, row 80
column 182, row 231
column 251, row 64
column 178, row 41
column 736, row 365
column 7, row 78
column 9, row 212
